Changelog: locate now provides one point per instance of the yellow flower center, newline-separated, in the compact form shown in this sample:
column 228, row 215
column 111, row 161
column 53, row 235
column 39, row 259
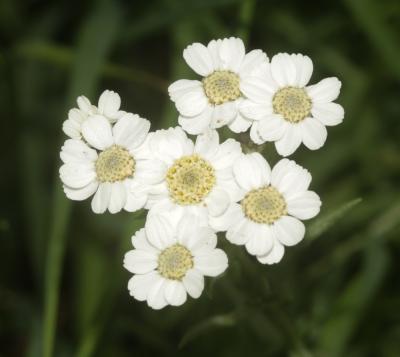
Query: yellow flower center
column 221, row 87
column 264, row 205
column 174, row 262
column 292, row 103
column 190, row 179
column 114, row 164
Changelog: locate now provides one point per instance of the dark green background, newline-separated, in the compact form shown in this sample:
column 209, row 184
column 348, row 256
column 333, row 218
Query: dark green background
column 63, row 290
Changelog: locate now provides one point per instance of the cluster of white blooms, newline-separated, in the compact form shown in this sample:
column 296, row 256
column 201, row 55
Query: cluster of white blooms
column 194, row 189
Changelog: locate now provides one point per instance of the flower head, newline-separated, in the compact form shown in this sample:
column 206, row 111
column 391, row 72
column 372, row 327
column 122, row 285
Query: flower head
column 287, row 111
column 268, row 214
column 198, row 176
column 215, row 100
column 108, row 107
column 111, row 163
column 170, row 259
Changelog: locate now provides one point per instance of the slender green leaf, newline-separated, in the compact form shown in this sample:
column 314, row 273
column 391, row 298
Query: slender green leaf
column 218, row 321
column 322, row 224
column 85, row 75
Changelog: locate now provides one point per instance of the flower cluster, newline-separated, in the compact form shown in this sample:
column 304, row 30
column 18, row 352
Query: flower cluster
column 195, row 187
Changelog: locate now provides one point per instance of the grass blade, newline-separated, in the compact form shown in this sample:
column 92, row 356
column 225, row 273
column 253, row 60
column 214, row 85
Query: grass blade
column 322, row 224
column 89, row 60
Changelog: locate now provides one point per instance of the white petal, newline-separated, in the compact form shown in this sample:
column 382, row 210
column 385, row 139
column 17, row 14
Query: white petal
column 289, row 230
column 156, row 295
column 136, row 196
column 252, row 171
column 211, row 264
column 254, row 134
column 198, row 58
column 239, row 124
column 77, row 175
column 117, row 197
column 241, row 231
column 206, row 244
column 228, row 152
column 272, row 128
column 328, row 113
column 258, row 89
column 281, row 168
column 261, row 242
column 304, row 205
column 72, row 126
column 192, row 103
column 214, row 50
column 97, row 132
column 150, row 171
column 197, row 124
column 140, row 261
column 84, row 104
column 72, row 129
column 290, row 178
column 324, row 91
column 101, row 198
column 186, row 228
column 232, row 215
column 171, row 144
column 251, row 61
column 109, row 103
column 274, row 256
column 313, row 133
column 223, row 114
column 290, row 141
column 130, row 131
column 283, row 70
column 81, row 194
column 140, row 285
column 194, row 283
column 304, row 69
column 76, row 151
column 217, row 202
column 183, row 86
column 140, row 242
column 207, row 144
column 232, row 53
column 77, row 116
column 175, row 293
column 255, row 111
column 159, row 231
column 192, row 234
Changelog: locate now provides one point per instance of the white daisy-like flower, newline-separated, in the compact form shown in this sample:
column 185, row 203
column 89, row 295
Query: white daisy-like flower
column 112, row 163
column 108, row 107
column 198, row 177
column 170, row 260
column 272, row 205
column 287, row 111
column 216, row 99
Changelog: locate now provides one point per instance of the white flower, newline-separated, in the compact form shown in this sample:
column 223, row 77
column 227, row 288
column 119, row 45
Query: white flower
column 267, row 218
column 287, row 111
column 112, row 163
column 108, row 107
column 170, row 260
column 215, row 101
column 198, row 177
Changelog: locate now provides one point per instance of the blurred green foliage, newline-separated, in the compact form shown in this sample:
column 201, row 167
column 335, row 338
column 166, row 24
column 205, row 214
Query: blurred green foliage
column 63, row 291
